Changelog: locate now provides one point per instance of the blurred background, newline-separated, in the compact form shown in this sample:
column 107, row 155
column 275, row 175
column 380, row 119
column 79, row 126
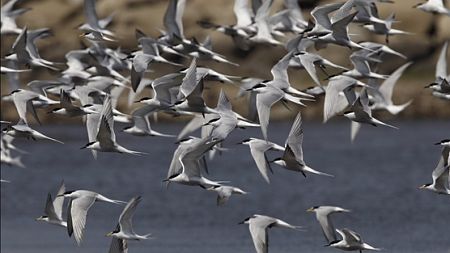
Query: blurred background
column 63, row 16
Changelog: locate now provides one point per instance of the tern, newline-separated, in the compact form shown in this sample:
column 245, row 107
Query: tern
column 441, row 174
column 292, row 158
column 106, row 138
column 224, row 193
column 383, row 95
column 433, row 6
column 25, row 102
column 8, row 16
column 323, row 217
column 350, row 241
column 93, row 28
column 70, row 110
column 141, row 125
column 334, row 102
column 258, row 150
column 25, row 51
column 124, row 230
column 185, row 167
column 22, row 130
column 361, row 112
column 259, row 225
column 54, row 208
column 79, row 204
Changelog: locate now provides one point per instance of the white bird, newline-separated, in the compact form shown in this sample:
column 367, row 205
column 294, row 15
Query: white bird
column 441, row 86
column 292, row 158
column 94, row 29
column 433, row 6
column 361, row 113
column 264, row 33
column 361, row 68
column 258, row 150
column 141, row 125
column 334, row 101
column 54, row 208
column 124, row 230
column 185, row 167
column 22, row 130
column 441, row 174
column 8, row 15
column 267, row 95
column 259, row 225
column 26, row 101
column 70, row 110
column 106, row 138
column 385, row 28
column 79, row 204
column 309, row 61
column 350, row 241
column 382, row 97
column 224, row 193
column 323, row 217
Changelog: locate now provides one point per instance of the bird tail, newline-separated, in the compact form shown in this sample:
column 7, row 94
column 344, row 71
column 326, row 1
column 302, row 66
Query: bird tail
column 378, row 122
column 148, row 236
column 368, row 247
column 311, row 170
column 44, row 137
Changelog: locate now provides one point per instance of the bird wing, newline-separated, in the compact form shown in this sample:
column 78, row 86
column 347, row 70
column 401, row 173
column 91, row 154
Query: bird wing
column 91, row 14
column 264, row 102
column 349, row 236
column 126, row 217
column 339, row 28
column 242, row 13
column 105, row 134
column 173, row 18
column 59, row 201
column 76, row 219
column 175, row 165
column 360, row 64
column 191, row 167
column 279, row 70
column 361, row 105
column 307, row 61
column 327, row 227
column 118, row 245
column 49, row 209
column 64, row 100
column 189, row 81
column 387, row 87
column 343, row 11
column 258, row 149
column 320, row 14
column 443, row 162
column 258, row 231
column 223, row 103
column 334, row 87
column 140, row 118
column 441, row 66
column 295, row 139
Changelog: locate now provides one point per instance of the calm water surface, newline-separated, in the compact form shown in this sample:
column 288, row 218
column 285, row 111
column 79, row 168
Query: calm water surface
column 376, row 177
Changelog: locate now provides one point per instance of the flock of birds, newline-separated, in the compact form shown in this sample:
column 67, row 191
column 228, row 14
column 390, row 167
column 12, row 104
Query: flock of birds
column 97, row 76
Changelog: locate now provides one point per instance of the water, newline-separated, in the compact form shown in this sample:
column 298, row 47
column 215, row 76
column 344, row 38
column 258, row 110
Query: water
column 376, row 177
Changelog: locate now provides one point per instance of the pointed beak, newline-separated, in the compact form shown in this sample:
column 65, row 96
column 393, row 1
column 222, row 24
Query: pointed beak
column 109, row 234
column 166, row 180
column 310, row 209
column 60, row 195
column 242, row 222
